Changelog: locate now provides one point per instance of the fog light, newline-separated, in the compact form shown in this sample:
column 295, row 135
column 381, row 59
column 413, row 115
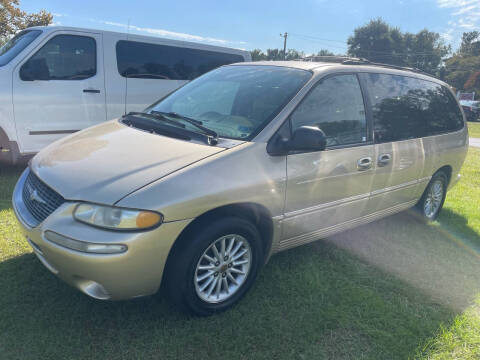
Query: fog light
column 87, row 247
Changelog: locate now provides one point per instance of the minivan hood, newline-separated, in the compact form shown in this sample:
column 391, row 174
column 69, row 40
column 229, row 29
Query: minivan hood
column 104, row 163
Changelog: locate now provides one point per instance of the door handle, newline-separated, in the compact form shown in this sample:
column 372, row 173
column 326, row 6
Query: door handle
column 364, row 163
column 94, row 91
column 384, row 159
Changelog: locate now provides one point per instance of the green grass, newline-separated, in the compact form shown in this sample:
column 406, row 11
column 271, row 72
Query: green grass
column 474, row 129
column 394, row 289
column 461, row 340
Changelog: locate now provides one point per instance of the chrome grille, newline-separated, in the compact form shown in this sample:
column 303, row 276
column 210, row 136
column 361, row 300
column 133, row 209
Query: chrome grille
column 39, row 199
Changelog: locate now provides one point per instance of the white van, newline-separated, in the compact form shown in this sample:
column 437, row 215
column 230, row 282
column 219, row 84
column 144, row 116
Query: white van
column 55, row 81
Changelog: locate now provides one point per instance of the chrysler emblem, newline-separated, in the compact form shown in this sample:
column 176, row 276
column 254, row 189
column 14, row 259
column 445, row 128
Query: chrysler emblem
column 34, row 195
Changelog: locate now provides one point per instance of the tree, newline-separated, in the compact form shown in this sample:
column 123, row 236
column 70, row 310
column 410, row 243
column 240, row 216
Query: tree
column 277, row 54
column 379, row 42
column 293, row 54
column 258, row 55
column 470, row 44
column 462, row 70
column 324, row 52
column 12, row 19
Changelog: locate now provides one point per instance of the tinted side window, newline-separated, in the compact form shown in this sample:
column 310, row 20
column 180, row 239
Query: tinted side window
column 444, row 112
column 399, row 106
column 64, row 57
column 336, row 106
column 152, row 61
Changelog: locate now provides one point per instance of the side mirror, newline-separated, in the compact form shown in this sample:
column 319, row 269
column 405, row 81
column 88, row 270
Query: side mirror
column 305, row 138
column 308, row 138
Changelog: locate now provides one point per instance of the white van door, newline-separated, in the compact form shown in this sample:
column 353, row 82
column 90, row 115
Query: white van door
column 59, row 89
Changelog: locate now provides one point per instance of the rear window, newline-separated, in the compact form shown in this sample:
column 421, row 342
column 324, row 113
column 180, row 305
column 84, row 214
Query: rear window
column 406, row 108
column 153, row 61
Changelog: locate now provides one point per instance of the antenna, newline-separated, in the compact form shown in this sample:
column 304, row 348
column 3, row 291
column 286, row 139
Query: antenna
column 126, row 74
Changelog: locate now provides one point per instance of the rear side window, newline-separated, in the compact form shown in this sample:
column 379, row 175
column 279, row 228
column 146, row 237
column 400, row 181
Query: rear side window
column 399, row 106
column 407, row 108
column 336, row 106
column 63, row 57
column 152, row 61
column 445, row 114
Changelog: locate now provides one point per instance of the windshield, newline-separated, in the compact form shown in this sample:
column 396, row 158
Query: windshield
column 16, row 44
column 235, row 101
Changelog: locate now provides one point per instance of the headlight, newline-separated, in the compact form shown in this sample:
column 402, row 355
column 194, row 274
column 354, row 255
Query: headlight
column 116, row 218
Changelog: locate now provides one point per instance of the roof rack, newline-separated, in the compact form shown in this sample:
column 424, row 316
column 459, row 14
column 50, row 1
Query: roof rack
column 347, row 60
column 332, row 58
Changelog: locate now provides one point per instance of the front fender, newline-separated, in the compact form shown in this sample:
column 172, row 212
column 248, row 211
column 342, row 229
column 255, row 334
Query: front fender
column 244, row 174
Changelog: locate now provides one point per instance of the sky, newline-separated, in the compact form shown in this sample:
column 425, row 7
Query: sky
column 248, row 24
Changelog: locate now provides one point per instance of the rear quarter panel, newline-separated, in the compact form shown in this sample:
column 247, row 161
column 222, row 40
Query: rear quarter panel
column 445, row 150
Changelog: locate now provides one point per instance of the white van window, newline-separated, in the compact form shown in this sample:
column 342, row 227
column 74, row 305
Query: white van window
column 16, row 44
column 64, row 57
column 336, row 106
column 153, row 61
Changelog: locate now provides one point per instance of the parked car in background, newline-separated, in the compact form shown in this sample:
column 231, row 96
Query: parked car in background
column 200, row 189
column 55, row 81
column 471, row 109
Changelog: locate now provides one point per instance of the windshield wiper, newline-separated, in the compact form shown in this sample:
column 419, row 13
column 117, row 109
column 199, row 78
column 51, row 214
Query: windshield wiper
column 196, row 123
column 165, row 126
column 157, row 117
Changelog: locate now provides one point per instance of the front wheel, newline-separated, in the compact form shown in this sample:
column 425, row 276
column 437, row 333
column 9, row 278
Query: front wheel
column 214, row 266
column 433, row 197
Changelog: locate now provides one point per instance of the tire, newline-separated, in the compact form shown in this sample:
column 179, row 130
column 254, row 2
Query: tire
column 431, row 202
column 190, row 262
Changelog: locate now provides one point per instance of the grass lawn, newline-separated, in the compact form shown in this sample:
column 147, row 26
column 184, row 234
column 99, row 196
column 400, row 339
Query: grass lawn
column 394, row 289
column 474, row 129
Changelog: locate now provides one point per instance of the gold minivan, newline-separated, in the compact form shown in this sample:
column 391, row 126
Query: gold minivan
column 200, row 189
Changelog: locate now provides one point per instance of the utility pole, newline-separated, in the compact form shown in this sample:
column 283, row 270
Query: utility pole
column 285, row 35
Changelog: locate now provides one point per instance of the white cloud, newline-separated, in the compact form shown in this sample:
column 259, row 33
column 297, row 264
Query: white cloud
column 466, row 17
column 151, row 31
column 169, row 34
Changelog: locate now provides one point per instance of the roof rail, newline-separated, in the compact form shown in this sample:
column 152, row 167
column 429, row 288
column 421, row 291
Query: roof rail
column 346, row 60
column 332, row 58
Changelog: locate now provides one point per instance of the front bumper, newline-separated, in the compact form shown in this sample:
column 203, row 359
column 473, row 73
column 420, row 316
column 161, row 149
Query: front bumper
column 136, row 272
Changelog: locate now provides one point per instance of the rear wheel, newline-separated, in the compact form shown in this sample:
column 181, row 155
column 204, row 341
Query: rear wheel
column 433, row 197
column 215, row 266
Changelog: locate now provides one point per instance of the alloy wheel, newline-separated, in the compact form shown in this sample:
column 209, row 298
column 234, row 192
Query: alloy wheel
column 223, row 268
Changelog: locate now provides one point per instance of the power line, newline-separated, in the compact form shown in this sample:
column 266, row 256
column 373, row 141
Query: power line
column 317, row 38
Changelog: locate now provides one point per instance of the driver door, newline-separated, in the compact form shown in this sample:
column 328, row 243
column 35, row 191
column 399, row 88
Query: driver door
column 328, row 190
column 59, row 89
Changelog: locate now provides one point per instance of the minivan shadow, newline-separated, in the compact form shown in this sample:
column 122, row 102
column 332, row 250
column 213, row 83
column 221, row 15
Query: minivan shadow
column 440, row 259
column 315, row 301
